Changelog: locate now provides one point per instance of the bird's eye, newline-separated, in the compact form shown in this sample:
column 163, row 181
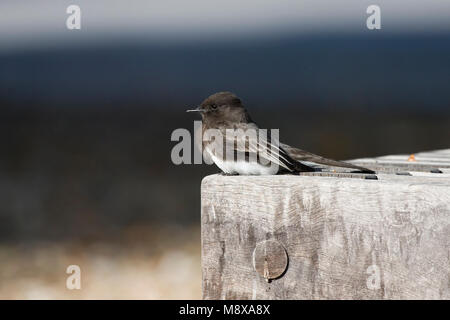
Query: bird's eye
column 213, row 106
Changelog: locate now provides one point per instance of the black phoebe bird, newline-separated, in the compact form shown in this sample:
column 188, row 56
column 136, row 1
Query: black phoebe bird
column 224, row 113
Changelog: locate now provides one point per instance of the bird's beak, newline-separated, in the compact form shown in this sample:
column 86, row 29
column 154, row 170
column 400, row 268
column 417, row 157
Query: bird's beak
column 198, row 109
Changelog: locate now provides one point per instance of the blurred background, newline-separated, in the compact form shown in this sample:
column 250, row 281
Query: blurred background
column 86, row 118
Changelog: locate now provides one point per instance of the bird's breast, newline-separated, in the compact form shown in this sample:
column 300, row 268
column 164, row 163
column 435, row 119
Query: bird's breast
column 243, row 167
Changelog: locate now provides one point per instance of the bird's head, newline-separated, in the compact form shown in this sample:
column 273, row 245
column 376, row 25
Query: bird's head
column 221, row 107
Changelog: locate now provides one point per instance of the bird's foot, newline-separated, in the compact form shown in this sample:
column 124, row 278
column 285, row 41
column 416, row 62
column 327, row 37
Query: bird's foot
column 227, row 174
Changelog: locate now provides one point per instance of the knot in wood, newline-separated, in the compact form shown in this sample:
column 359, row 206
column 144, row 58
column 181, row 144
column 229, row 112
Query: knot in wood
column 270, row 259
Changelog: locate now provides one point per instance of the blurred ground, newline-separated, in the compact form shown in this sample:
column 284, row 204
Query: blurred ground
column 149, row 263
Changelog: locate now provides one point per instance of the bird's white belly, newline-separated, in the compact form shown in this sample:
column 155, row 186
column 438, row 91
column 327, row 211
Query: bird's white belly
column 244, row 167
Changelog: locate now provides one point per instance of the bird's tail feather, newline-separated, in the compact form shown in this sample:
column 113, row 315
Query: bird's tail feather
column 301, row 155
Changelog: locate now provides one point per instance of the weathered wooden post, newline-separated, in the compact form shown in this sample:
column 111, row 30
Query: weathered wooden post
column 314, row 237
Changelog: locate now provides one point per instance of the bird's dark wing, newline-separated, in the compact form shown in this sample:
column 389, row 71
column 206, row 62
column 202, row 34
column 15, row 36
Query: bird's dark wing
column 301, row 155
column 259, row 146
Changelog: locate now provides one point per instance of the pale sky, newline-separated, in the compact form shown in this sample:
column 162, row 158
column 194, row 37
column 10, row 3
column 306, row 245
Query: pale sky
column 28, row 23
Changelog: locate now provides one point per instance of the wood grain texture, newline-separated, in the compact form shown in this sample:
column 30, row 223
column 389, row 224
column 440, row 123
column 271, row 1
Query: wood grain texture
column 345, row 238
column 423, row 162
